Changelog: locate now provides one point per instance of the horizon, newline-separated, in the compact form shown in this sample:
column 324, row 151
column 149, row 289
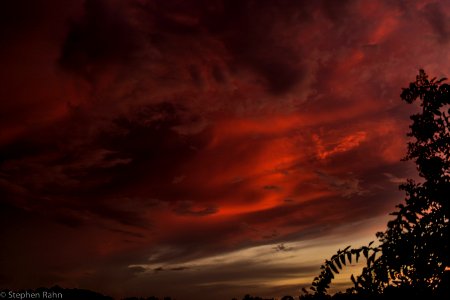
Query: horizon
column 197, row 148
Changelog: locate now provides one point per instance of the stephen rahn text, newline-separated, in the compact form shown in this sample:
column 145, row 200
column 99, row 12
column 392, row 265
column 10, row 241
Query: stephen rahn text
column 34, row 295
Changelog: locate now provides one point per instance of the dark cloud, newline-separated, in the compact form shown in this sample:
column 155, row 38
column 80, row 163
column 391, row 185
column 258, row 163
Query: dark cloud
column 110, row 34
column 179, row 268
column 271, row 187
column 282, row 247
column 18, row 18
column 438, row 21
column 187, row 208
column 336, row 11
column 103, row 36
column 200, row 136
column 258, row 45
column 137, row 269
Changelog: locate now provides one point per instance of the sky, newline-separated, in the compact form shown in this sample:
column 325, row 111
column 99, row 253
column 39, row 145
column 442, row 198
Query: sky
column 200, row 148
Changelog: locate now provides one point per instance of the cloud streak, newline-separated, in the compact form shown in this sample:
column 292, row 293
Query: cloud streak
column 187, row 136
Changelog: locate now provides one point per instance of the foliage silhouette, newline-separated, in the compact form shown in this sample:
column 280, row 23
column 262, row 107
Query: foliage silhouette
column 413, row 252
column 248, row 297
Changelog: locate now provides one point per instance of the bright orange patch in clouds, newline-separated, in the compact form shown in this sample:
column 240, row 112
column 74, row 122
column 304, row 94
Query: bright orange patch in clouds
column 260, row 163
column 342, row 145
column 267, row 125
column 249, row 157
column 169, row 132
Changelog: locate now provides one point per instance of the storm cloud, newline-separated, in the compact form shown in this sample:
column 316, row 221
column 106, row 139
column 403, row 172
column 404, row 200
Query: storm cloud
column 202, row 137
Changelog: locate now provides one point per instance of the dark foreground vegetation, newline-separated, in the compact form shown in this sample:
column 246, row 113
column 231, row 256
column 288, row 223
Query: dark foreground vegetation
column 410, row 259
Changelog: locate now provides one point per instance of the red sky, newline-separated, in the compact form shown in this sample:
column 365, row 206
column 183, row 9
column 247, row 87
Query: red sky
column 198, row 148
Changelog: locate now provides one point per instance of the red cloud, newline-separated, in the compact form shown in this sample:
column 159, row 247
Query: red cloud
column 175, row 131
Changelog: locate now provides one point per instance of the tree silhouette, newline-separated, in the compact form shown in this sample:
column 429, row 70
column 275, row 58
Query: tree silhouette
column 413, row 251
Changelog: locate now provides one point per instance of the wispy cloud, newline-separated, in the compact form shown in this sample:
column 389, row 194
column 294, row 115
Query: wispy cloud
column 195, row 132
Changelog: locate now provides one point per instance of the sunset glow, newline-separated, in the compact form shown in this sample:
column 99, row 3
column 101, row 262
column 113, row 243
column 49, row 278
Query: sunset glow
column 192, row 148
